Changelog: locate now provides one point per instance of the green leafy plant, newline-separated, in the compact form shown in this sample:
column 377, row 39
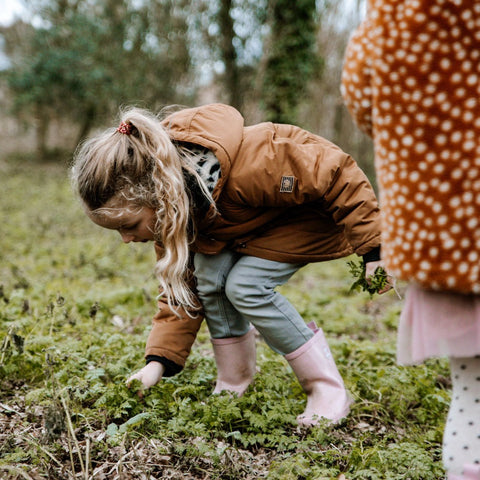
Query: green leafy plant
column 373, row 284
column 75, row 311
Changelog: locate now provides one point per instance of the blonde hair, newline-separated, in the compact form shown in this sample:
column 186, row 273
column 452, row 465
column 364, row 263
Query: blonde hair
column 144, row 168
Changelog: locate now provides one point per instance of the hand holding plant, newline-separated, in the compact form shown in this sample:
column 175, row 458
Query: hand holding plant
column 371, row 277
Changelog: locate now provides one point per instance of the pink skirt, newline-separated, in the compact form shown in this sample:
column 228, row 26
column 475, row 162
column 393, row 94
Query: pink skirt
column 436, row 324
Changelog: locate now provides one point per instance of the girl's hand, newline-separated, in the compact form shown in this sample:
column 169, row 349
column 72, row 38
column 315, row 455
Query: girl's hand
column 149, row 375
column 370, row 269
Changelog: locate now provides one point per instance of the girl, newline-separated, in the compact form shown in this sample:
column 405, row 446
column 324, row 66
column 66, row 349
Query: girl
column 234, row 211
column 411, row 80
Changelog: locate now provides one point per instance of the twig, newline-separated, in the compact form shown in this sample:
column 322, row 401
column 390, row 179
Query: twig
column 72, row 433
column 33, row 442
column 5, row 344
column 118, row 466
column 17, row 470
column 8, row 409
column 87, row 457
column 70, row 453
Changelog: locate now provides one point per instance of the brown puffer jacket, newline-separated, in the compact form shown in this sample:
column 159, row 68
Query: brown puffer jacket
column 412, row 80
column 284, row 194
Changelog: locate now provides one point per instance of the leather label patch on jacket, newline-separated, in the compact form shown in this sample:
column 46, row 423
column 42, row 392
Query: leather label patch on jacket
column 287, row 184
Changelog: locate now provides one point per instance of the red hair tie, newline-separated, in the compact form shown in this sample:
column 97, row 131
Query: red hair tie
column 126, row 128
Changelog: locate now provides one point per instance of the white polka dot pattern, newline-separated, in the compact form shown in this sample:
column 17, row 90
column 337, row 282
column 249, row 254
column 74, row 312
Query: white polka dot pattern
column 411, row 80
column 461, row 440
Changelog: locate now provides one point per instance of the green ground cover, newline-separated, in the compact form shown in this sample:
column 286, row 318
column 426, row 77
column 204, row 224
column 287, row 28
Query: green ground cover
column 75, row 309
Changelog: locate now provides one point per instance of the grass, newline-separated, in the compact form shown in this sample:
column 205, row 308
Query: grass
column 75, row 310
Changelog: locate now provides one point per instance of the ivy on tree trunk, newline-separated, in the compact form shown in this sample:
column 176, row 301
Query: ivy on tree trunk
column 291, row 60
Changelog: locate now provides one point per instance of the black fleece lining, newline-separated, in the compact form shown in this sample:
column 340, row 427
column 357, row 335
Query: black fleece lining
column 171, row 368
column 372, row 255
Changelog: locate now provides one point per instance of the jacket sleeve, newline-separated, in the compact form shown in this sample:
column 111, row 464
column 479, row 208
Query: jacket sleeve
column 356, row 85
column 352, row 202
column 172, row 334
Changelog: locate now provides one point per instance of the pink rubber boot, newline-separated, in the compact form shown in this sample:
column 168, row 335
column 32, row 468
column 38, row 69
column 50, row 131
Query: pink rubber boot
column 319, row 377
column 236, row 359
column 470, row 472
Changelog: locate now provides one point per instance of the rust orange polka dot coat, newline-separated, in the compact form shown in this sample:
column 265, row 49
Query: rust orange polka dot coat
column 411, row 80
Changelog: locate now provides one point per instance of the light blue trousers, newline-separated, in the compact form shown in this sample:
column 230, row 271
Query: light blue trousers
column 238, row 291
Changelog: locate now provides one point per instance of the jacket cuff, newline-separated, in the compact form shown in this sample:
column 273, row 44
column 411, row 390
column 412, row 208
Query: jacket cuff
column 171, row 368
column 372, row 256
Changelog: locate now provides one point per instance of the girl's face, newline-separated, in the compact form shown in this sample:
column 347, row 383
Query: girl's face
column 134, row 224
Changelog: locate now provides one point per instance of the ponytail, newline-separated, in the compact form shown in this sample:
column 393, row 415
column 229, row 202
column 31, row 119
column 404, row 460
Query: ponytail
column 138, row 163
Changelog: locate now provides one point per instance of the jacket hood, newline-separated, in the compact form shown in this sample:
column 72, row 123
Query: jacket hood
column 217, row 127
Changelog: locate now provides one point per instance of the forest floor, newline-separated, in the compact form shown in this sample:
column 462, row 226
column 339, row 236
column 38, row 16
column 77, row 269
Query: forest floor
column 75, row 310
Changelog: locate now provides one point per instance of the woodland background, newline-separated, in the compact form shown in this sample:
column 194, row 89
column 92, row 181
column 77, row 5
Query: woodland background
column 75, row 62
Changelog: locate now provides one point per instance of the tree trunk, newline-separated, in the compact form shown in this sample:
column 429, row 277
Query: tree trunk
column 229, row 55
column 42, row 121
column 86, row 124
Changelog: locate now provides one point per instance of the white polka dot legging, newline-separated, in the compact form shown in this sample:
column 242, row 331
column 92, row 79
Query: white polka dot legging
column 461, row 440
